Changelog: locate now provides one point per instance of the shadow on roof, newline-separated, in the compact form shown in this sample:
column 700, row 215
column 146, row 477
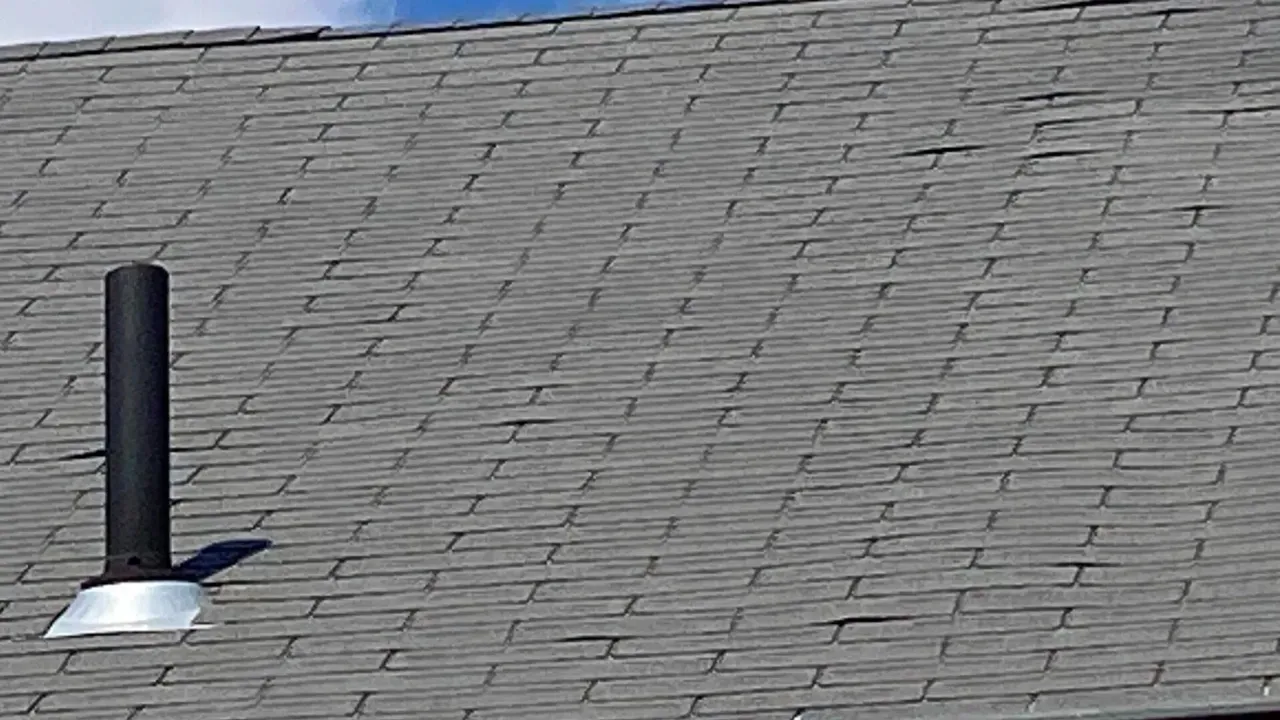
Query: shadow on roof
column 216, row 557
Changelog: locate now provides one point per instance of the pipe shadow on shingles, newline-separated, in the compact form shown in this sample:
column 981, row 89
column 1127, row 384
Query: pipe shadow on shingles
column 217, row 557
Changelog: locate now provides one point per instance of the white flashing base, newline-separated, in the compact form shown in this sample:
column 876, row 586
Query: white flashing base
column 131, row 607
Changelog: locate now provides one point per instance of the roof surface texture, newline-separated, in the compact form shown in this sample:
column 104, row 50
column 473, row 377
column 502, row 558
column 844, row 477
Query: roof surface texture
column 860, row 358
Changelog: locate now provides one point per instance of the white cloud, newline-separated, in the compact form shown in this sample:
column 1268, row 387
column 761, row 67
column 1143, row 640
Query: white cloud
column 24, row 21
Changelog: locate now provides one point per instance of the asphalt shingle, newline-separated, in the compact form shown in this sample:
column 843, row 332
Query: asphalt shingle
column 860, row 360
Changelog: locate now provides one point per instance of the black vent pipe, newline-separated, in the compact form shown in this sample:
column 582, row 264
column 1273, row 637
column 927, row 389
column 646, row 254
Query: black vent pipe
column 137, row 420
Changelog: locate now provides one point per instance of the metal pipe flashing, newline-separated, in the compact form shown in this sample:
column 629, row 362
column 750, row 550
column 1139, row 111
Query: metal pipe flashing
column 138, row 590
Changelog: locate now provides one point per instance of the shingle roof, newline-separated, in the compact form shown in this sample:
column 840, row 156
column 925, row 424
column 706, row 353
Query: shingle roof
column 868, row 358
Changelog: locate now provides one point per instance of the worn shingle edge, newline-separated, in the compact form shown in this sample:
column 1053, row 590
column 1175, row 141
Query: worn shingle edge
column 1222, row 711
column 263, row 35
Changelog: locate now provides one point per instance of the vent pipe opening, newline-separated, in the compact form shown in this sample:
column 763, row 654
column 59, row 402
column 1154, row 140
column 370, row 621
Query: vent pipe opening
column 137, row 420
column 138, row 590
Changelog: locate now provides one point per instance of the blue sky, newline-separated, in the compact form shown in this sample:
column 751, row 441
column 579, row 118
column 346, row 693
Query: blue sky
column 432, row 11
column 24, row 21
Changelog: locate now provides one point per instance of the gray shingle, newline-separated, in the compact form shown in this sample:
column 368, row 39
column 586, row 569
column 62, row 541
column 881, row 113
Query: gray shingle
column 720, row 362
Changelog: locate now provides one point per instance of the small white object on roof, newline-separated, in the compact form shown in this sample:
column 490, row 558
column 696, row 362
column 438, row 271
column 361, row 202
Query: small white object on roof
column 131, row 607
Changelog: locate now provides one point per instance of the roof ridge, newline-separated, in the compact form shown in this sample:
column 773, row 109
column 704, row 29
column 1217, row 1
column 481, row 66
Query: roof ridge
column 256, row 35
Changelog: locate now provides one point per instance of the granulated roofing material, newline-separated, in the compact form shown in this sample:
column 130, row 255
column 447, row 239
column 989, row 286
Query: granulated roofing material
column 876, row 360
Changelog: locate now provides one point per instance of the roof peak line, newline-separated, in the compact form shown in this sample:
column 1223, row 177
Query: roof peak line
column 254, row 35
